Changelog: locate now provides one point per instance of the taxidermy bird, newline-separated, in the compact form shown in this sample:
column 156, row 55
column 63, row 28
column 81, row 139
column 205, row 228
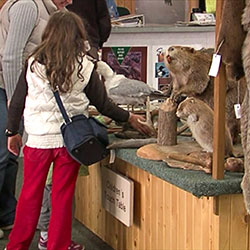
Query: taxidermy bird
column 123, row 90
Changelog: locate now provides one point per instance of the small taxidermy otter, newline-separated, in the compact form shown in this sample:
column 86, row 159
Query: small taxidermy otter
column 199, row 118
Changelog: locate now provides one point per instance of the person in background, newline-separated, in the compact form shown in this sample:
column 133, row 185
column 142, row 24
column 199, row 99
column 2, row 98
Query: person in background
column 96, row 18
column 59, row 62
column 21, row 25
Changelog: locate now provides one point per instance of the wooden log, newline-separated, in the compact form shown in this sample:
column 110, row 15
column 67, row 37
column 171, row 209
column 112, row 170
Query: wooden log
column 131, row 143
column 190, row 159
column 167, row 124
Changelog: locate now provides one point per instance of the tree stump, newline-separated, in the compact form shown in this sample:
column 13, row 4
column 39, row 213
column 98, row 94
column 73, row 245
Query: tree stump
column 167, row 124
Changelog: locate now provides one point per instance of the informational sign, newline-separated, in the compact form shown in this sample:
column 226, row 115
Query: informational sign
column 128, row 61
column 118, row 195
column 162, row 72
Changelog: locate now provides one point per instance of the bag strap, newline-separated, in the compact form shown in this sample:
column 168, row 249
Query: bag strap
column 61, row 106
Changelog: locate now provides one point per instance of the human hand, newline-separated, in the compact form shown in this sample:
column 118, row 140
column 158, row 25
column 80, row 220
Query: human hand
column 14, row 144
column 134, row 120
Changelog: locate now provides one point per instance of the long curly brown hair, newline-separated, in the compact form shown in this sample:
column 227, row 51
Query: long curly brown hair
column 62, row 49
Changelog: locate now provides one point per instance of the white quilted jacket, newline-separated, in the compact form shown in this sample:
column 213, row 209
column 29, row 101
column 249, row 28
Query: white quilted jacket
column 42, row 117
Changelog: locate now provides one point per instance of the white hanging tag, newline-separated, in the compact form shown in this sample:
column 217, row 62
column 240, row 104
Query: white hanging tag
column 237, row 110
column 112, row 156
column 214, row 69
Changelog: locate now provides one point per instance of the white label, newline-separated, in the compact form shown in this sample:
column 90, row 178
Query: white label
column 203, row 17
column 237, row 110
column 118, row 195
column 112, row 156
column 214, row 69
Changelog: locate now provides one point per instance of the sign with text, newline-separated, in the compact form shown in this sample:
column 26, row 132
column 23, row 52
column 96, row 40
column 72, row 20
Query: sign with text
column 128, row 61
column 118, row 195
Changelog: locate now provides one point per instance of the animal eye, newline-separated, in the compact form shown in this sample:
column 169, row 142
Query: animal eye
column 171, row 49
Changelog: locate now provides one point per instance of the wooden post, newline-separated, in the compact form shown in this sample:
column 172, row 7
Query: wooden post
column 219, row 116
column 219, row 110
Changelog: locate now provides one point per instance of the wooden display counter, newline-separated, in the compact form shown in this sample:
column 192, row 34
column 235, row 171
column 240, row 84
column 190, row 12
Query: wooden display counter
column 167, row 216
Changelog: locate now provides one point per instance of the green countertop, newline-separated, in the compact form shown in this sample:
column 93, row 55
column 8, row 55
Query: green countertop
column 196, row 182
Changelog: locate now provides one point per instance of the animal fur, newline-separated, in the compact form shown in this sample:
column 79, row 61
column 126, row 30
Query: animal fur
column 233, row 164
column 189, row 69
column 245, row 120
column 199, row 118
column 233, row 35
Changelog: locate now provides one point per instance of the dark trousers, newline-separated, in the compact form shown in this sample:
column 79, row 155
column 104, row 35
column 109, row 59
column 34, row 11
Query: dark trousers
column 8, row 170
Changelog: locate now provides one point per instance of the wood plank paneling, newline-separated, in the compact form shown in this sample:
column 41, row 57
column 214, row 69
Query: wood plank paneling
column 238, row 214
column 196, row 224
column 148, row 208
column 189, row 219
column 142, row 193
column 173, row 217
column 225, row 223
column 165, row 216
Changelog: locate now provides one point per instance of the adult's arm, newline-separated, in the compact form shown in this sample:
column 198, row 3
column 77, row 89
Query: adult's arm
column 96, row 93
column 23, row 16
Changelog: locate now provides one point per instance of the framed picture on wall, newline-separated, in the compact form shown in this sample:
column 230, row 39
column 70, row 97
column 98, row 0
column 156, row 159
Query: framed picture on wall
column 162, row 73
column 129, row 61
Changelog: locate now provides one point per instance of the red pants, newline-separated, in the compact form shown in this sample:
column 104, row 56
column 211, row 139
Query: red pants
column 36, row 165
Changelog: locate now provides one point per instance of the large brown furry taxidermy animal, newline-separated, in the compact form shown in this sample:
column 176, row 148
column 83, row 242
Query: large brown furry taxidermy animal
column 232, row 33
column 245, row 120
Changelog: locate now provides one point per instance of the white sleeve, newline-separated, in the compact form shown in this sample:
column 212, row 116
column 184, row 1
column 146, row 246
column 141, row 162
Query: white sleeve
column 22, row 16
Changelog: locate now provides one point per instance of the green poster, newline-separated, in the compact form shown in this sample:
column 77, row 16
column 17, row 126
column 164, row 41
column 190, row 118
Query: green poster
column 120, row 53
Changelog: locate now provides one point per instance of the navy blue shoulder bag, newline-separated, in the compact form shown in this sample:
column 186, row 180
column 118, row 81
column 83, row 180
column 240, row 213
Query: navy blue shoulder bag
column 85, row 138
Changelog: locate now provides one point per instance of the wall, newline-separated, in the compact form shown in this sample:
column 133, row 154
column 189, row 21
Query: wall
column 157, row 11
